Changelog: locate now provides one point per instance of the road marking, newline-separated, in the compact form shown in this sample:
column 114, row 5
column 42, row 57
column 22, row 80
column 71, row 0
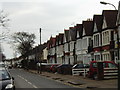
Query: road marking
column 27, row 81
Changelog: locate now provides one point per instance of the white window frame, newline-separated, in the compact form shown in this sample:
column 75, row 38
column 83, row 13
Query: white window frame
column 96, row 40
column 106, row 37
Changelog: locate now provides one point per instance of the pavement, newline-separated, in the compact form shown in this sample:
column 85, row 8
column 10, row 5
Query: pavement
column 80, row 81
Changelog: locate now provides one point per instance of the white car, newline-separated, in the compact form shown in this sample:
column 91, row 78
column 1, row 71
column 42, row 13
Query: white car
column 2, row 64
column 6, row 80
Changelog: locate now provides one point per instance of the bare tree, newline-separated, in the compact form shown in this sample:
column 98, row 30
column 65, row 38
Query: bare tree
column 23, row 41
column 3, row 24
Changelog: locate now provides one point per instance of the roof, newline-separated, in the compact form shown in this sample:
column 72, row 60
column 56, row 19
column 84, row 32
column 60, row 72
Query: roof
column 88, row 27
column 48, row 44
column 98, row 19
column 38, row 49
column 72, row 32
column 52, row 41
column 41, row 47
column 110, row 17
column 79, row 28
column 57, row 39
column 61, row 37
column 66, row 34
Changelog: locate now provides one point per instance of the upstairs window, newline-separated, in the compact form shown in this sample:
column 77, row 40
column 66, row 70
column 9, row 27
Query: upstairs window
column 106, row 37
column 96, row 40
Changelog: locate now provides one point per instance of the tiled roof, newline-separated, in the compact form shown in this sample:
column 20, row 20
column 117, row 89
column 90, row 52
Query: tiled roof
column 110, row 16
column 41, row 47
column 38, row 49
column 66, row 34
column 79, row 28
column 98, row 19
column 88, row 27
column 73, row 33
column 61, row 37
column 48, row 44
column 53, row 42
column 57, row 39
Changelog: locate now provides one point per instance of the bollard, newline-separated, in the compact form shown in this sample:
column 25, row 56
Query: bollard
column 84, row 73
column 100, row 71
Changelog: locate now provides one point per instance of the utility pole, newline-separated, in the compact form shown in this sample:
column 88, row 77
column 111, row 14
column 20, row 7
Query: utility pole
column 40, row 36
column 40, row 54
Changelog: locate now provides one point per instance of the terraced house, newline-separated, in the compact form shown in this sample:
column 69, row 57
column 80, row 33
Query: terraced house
column 78, row 48
column 92, row 40
column 72, row 32
column 66, row 47
column 52, row 50
column 97, row 37
column 109, row 24
column 87, row 41
column 59, row 48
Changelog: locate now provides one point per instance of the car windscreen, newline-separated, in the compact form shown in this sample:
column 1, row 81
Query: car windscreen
column 4, row 75
column 94, row 65
column 86, row 65
column 111, row 65
column 78, row 66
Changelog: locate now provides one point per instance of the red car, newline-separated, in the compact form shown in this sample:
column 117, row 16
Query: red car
column 93, row 67
column 53, row 68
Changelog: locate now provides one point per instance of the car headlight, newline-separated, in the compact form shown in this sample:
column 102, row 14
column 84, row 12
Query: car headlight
column 9, row 86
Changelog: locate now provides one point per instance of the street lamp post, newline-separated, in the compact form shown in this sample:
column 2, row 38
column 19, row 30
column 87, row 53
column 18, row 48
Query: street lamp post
column 105, row 3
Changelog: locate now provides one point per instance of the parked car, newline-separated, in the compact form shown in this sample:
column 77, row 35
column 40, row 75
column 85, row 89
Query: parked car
column 80, row 69
column 45, row 67
column 93, row 68
column 64, row 69
column 80, row 65
column 53, row 68
column 6, row 81
column 2, row 65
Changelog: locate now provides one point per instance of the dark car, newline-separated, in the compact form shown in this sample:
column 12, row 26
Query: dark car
column 80, row 69
column 81, row 65
column 6, row 81
column 64, row 69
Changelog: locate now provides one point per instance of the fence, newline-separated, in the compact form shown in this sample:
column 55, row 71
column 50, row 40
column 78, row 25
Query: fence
column 82, row 71
column 110, row 73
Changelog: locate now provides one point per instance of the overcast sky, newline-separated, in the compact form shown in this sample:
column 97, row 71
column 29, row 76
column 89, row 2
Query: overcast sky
column 53, row 16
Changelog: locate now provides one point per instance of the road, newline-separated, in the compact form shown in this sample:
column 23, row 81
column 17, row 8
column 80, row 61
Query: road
column 24, row 79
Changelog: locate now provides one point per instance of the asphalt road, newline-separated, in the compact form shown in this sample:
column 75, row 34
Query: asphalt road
column 24, row 79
